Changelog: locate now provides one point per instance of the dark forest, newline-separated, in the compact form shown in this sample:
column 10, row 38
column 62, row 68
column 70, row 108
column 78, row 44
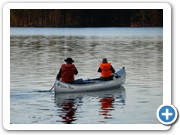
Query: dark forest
column 86, row 18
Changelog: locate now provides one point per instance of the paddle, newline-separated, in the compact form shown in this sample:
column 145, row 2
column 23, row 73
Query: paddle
column 51, row 88
column 117, row 76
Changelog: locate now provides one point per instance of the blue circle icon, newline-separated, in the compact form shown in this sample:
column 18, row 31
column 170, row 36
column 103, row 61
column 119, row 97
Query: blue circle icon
column 167, row 114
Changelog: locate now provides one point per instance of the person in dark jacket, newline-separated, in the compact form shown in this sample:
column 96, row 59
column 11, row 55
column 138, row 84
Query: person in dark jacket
column 67, row 71
column 106, row 70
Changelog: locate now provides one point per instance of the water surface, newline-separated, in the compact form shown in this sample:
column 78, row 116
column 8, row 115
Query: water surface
column 37, row 53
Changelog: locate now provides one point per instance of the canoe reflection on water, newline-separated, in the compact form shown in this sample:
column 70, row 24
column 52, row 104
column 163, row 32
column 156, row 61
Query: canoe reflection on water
column 71, row 104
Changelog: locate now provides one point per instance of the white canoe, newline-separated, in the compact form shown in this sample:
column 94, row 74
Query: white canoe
column 92, row 84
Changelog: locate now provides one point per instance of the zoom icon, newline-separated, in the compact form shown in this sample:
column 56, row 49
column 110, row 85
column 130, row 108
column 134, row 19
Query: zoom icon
column 167, row 114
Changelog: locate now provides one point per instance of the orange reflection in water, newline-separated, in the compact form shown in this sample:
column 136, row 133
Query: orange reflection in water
column 106, row 107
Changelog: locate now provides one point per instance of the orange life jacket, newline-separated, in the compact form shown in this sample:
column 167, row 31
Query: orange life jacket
column 67, row 73
column 106, row 69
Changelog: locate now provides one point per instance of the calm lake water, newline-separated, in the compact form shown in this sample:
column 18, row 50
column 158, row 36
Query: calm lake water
column 37, row 53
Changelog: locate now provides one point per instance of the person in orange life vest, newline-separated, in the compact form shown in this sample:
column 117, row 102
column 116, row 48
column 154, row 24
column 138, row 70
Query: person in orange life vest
column 67, row 71
column 106, row 70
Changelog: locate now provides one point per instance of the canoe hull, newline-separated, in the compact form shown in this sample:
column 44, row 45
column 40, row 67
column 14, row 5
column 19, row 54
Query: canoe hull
column 61, row 87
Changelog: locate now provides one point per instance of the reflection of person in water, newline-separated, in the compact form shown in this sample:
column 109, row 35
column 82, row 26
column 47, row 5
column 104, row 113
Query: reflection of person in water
column 106, row 106
column 68, row 111
column 68, row 106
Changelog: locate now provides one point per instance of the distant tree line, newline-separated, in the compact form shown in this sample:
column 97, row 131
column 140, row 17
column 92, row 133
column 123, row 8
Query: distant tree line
column 86, row 17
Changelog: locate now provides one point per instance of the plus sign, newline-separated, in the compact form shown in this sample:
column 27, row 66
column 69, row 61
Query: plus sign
column 167, row 114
